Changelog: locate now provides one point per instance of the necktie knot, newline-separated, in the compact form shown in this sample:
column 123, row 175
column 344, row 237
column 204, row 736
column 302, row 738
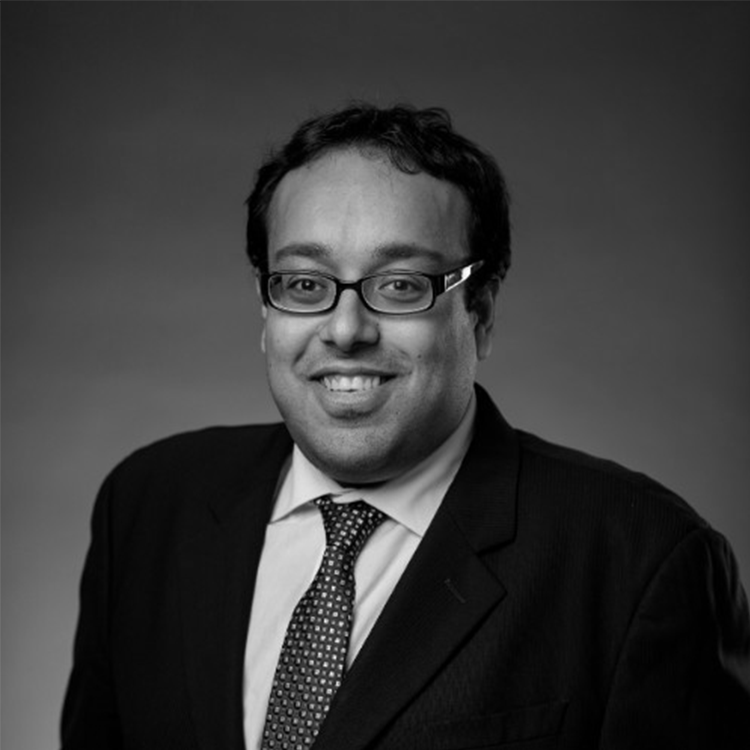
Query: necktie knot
column 348, row 525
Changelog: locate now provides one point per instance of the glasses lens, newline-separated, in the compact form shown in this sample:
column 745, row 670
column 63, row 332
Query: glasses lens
column 301, row 292
column 398, row 292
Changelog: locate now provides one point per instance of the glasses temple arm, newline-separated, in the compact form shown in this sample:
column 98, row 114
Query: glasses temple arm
column 453, row 278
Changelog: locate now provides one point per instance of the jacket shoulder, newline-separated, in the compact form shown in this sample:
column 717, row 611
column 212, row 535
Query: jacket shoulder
column 209, row 443
column 193, row 466
column 205, row 448
column 603, row 494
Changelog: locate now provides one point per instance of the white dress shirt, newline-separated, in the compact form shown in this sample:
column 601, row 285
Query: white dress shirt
column 294, row 546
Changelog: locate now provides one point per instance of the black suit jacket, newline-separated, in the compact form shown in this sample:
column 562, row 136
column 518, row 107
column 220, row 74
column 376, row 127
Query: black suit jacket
column 556, row 601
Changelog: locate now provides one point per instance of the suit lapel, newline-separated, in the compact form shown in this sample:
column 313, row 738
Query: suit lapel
column 444, row 594
column 219, row 560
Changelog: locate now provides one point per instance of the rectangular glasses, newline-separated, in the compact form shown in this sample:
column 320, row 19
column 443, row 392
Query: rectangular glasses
column 390, row 292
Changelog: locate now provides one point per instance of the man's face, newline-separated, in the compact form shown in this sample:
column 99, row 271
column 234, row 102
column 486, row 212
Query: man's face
column 366, row 396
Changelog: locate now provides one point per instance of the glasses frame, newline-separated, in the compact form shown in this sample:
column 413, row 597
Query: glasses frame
column 440, row 282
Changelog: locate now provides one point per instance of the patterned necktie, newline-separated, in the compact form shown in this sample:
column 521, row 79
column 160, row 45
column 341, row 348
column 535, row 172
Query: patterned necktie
column 313, row 657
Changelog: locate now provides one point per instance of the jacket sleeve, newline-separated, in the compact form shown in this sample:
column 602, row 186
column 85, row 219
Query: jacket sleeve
column 683, row 675
column 89, row 717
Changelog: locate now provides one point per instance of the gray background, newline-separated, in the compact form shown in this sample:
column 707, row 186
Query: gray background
column 130, row 135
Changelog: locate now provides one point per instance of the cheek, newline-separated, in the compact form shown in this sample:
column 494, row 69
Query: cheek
column 441, row 349
column 276, row 345
column 455, row 336
column 285, row 342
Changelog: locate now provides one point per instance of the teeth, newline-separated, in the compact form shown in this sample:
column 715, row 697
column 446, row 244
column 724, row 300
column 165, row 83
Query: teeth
column 347, row 383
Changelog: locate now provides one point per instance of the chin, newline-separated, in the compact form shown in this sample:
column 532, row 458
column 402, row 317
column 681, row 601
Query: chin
column 354, row 469
column 355, row 462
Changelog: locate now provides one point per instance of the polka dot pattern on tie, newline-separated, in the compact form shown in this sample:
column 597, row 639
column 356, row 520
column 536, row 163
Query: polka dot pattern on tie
column 313, row 658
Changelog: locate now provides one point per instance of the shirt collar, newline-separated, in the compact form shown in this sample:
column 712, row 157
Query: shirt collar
column 411, row 499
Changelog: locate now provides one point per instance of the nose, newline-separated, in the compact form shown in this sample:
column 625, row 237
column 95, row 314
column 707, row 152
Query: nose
column 350, row 325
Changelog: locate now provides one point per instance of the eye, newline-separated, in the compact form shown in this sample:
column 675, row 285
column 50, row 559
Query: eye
column 304, row 289
column 403, row 286
column 304, row 284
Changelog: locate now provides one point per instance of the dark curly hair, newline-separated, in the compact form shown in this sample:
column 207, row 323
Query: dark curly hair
column 414, row 140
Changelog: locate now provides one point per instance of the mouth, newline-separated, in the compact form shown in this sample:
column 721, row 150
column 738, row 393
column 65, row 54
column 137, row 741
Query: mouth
column 352, row 383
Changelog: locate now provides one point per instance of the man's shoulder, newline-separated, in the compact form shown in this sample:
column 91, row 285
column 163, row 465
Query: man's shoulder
column 565, row 460
column 579, row 485
column 588, row 522
column 584, row 493
column 211, row 456
column 569, row 491
column 213, row 438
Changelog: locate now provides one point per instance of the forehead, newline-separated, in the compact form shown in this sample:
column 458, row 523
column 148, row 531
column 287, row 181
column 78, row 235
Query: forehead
column 347, row 203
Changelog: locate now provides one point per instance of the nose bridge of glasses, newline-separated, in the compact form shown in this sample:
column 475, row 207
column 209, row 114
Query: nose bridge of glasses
column 349, row 322
column 357, row 287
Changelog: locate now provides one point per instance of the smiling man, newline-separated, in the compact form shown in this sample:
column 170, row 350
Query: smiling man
column 394, row 566
column 370, row 384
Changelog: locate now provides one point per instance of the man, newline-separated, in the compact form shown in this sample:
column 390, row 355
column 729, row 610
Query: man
column 395, row 566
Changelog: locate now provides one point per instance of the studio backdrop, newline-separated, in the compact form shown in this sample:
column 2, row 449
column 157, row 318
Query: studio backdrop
column 130, row 133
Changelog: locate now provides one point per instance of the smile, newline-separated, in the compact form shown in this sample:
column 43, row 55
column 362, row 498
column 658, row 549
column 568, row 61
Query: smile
column 352, row 383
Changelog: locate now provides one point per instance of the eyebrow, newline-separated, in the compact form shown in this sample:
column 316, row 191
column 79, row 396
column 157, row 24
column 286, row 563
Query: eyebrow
column 406, row 251
column 303, row 250
column 387, row 252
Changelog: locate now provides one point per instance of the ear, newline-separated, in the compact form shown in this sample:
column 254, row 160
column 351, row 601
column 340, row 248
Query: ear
column 484, row 313
column 264, row 315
